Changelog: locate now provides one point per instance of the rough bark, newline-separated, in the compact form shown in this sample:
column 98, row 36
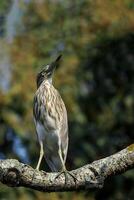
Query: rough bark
column 16, row 174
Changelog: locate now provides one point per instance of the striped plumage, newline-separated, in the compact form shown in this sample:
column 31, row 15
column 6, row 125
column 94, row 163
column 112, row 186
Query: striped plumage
column 50, row 118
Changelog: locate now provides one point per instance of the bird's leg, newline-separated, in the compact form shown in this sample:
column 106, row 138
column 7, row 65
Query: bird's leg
column 40, row 159
column 64, row 170
column 41, row 155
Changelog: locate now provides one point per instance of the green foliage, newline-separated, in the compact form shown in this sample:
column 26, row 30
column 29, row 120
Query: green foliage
column 4, row 5
column 95, row 80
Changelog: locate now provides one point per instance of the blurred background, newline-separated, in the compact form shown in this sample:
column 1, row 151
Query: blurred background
column 95, row 79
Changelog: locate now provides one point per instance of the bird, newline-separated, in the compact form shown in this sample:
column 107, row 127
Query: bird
column 51, row 121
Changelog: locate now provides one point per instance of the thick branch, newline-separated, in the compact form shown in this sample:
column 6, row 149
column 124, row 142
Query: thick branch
column 16, row 174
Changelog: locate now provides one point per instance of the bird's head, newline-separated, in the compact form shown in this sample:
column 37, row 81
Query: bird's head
column 47, row 72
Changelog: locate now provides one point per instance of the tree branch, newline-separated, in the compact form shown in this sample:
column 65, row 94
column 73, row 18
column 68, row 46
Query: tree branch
column 16, row 174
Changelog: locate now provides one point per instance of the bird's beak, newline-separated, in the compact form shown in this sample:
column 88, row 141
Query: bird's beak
column 54, row 64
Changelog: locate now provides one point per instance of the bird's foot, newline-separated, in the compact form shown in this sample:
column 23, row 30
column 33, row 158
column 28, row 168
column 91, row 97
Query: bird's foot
column 66, row 173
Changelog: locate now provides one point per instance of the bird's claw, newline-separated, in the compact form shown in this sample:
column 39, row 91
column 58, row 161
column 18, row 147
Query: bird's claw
column 66, row 173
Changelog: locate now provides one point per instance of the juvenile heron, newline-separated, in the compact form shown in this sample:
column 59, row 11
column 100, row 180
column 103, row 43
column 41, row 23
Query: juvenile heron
column 51, row 122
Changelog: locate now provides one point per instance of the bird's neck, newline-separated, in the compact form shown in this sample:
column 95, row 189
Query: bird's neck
column 45, row 82
column 48, row 81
